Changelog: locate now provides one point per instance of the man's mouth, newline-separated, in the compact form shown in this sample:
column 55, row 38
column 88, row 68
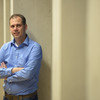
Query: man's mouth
column 16, row 33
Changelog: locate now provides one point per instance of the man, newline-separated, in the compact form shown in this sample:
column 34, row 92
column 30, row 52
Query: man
column 20, row 62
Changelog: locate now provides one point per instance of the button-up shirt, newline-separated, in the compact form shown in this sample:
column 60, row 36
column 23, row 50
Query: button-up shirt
column 27, row 55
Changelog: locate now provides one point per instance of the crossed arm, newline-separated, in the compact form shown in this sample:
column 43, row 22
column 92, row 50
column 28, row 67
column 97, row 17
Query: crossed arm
column 3, row 65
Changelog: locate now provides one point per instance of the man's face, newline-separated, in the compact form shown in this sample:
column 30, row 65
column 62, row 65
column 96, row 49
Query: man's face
column 17, row 28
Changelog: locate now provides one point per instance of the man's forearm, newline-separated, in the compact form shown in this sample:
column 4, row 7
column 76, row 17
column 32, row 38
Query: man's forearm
column 9, row 70
column 16, row 69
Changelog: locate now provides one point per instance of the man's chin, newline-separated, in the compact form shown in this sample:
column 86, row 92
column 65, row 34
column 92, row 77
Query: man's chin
column 16, row 37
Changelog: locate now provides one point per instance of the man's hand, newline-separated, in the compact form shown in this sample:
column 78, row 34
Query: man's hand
column 3, row 65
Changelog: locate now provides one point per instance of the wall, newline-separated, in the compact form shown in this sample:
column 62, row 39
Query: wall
column 93, row 50
column 6, row 15
column 76, row 71
column 73, row 49
column 38, row 15
column 68, row 68
column 68, row 31
column 1, row 22
column 1, row 42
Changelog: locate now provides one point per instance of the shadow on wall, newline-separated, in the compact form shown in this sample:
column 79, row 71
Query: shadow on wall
column 44, row 91
column 45, row 82
column 1, row 89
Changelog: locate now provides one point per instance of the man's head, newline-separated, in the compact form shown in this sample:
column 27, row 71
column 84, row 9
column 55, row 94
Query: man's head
column 18, row 26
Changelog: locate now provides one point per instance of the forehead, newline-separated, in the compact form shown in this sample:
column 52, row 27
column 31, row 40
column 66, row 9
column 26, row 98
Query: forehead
column 15, row 20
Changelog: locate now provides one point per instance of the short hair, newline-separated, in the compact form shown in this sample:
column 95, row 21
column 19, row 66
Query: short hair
column 18, row 15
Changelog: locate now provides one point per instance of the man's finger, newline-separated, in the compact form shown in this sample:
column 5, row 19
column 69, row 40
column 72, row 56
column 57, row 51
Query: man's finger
column 3, row 65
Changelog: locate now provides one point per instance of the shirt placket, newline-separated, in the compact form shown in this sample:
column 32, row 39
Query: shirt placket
column 16, row 56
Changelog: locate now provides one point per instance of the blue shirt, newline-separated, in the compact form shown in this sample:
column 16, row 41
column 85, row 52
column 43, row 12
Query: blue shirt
column 27, row 55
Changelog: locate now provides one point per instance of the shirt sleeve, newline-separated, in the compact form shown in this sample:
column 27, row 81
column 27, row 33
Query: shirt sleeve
column 31, row 68
column 4, row 72
column 2, row 53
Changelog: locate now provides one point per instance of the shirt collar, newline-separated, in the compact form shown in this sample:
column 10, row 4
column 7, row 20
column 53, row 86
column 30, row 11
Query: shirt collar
column 26, row 41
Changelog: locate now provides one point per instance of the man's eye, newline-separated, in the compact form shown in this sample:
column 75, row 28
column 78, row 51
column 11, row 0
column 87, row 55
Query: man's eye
column 18, row 25
column 12, row 26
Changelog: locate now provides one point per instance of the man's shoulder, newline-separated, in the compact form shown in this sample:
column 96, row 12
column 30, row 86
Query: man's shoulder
column 6, row 45
column 34, row 43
